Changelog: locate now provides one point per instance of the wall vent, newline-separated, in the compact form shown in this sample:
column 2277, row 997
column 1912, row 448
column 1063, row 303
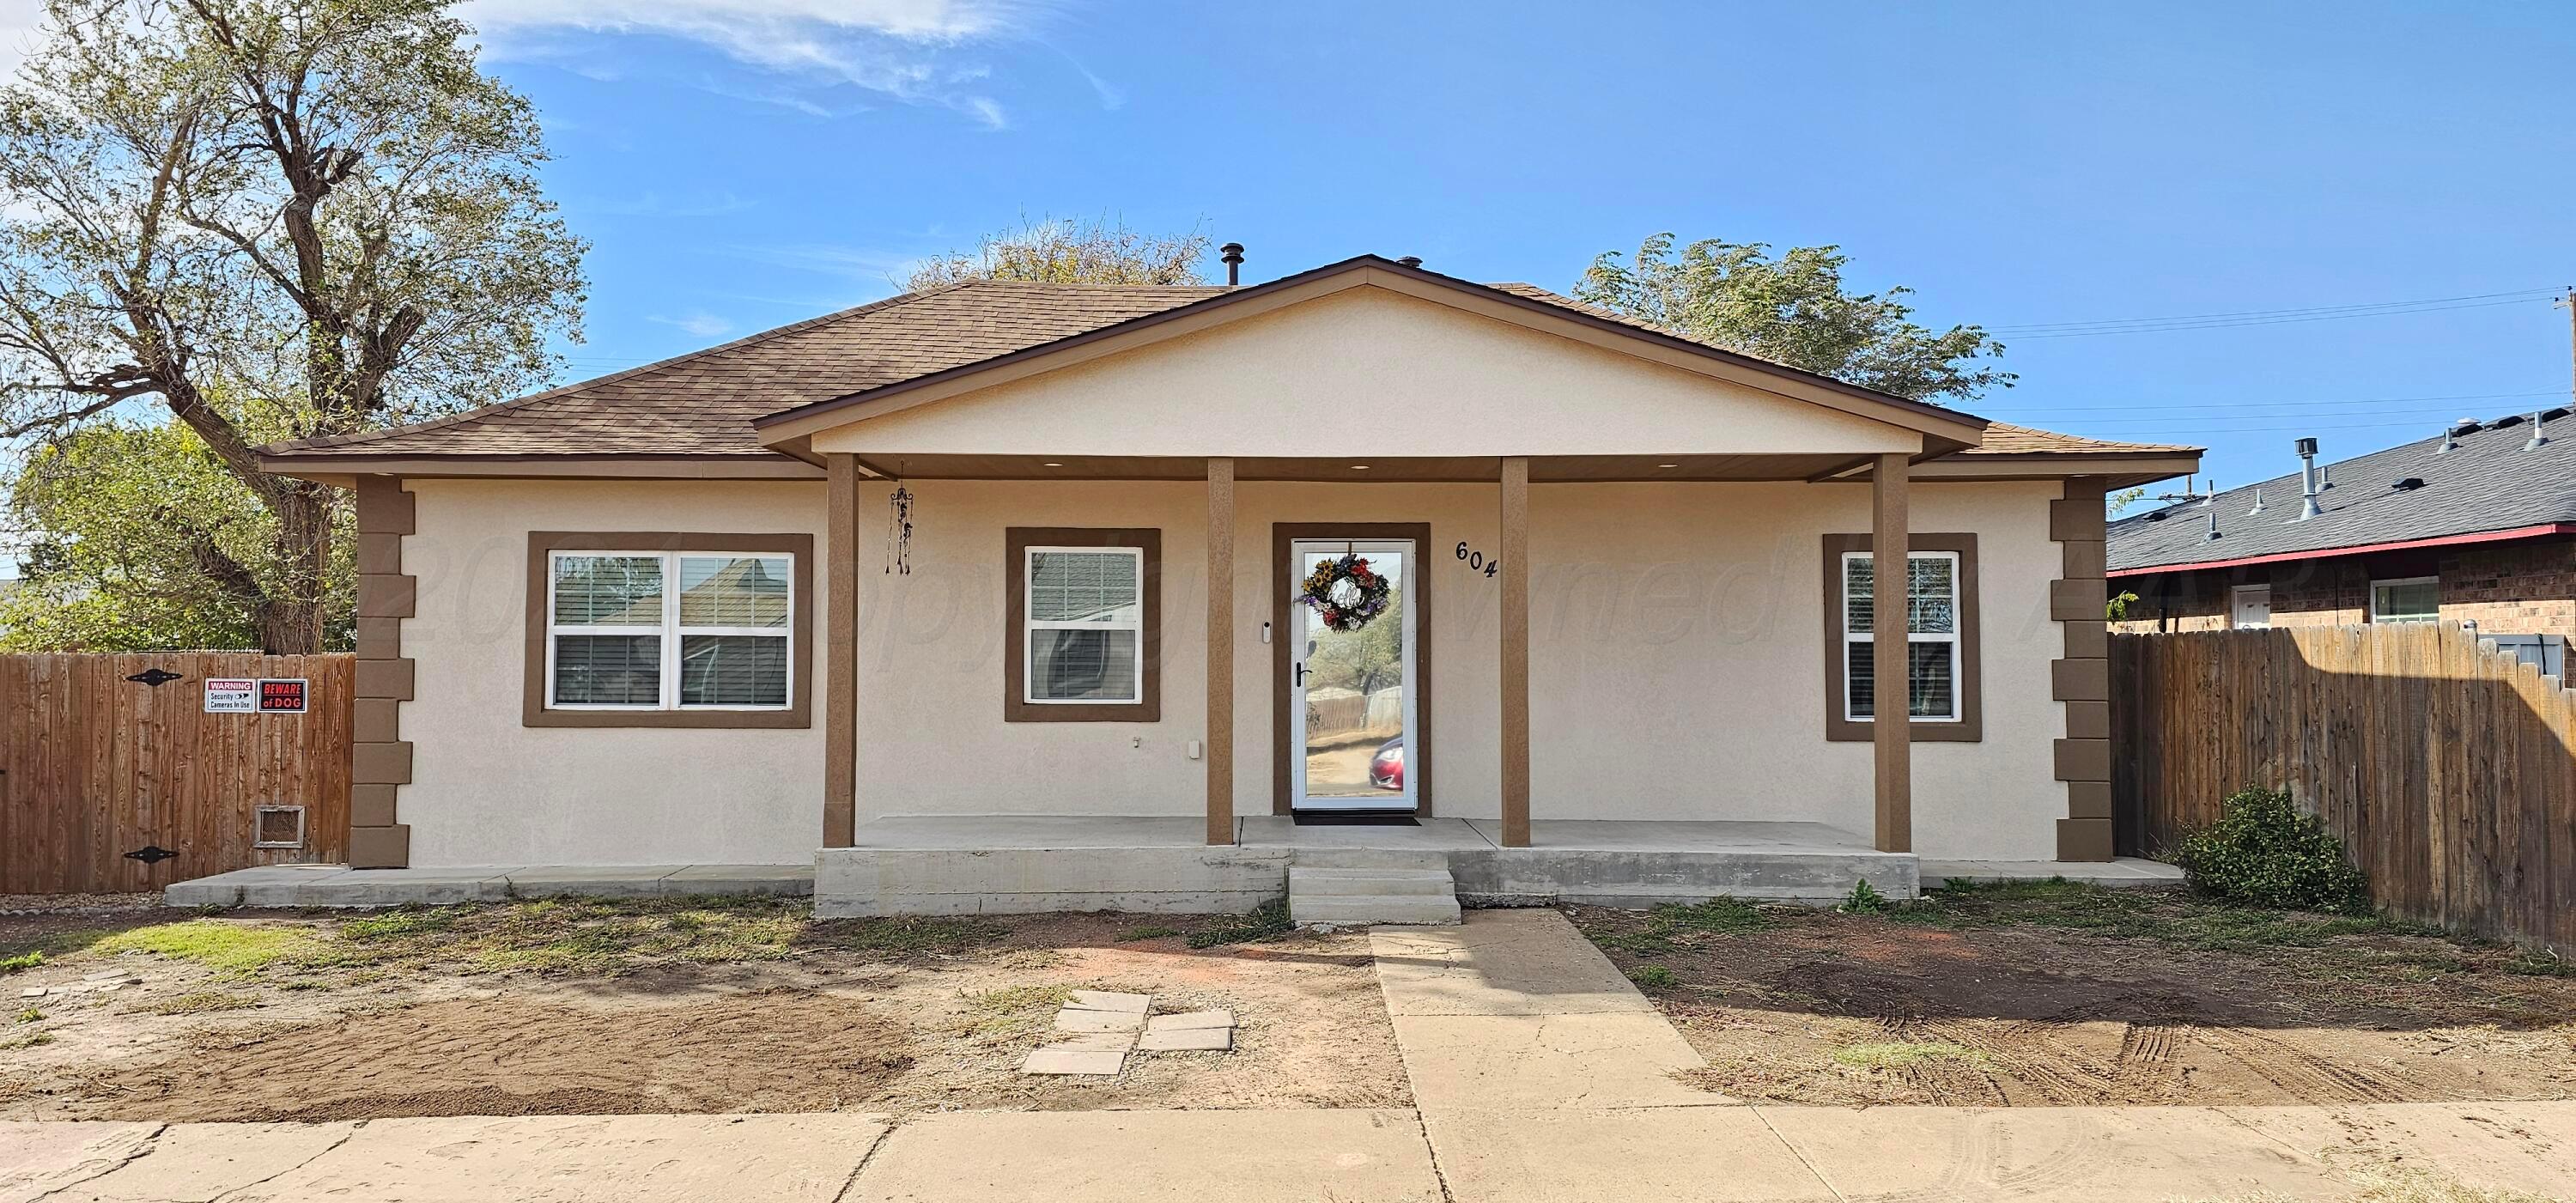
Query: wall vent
column 277, row 827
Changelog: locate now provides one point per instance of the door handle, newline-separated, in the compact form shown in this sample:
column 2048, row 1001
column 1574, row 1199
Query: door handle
column 1300, row 670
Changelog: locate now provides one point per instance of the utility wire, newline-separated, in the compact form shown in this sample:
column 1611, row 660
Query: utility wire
column 2302, row 312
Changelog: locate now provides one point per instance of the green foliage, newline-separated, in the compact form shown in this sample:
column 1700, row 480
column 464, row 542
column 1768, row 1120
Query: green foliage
column 254, row 219
column 1100, row 250
column 1652, row 977
column 139, row 524
column 31, row 1015
column 2117, row 609
column 2168, row 917
column 1363, row 661
column 1864, row 899
column 233, row 948
column 24, row 960
column 1266, row 921
column 200, row 1002
column 1793, row 310
column 1148, row 932
column 2264, row 851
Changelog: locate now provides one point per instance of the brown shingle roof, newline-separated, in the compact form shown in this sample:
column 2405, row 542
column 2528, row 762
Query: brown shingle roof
column 2005, row 439
column 704, row 403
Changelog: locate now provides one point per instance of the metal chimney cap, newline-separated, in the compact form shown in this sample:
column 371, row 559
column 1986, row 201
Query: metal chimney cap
column 1411, row 261
column 1231, row 254
column 2307, row 447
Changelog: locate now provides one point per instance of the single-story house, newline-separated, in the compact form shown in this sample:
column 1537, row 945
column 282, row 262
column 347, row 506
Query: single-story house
column 2475, row 525
column 1018, row 567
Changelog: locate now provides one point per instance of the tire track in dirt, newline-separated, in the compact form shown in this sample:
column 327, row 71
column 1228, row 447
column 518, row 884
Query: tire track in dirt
column 2300, row 1072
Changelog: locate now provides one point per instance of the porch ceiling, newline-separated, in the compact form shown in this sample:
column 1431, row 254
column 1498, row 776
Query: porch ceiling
column 1559, row 469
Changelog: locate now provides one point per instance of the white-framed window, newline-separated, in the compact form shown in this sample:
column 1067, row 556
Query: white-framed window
column 2406, row 599
column 1085, row 613
column 1932, row 636
column 2249, row 607
column 679, row 630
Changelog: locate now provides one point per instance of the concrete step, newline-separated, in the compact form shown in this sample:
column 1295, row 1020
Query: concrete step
column 1358, row 909
column 1305, row 882
column 1369, row 858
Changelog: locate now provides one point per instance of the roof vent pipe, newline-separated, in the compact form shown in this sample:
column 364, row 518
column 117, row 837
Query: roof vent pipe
column 2213, row 528
column 2537, row 438
column 2450, row 441
column 1231, row 254
column 2258, row 502
column 2308, row 480
column 2210, row 498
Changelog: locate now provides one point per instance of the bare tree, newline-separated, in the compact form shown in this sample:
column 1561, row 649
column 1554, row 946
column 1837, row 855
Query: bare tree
column 269, row 218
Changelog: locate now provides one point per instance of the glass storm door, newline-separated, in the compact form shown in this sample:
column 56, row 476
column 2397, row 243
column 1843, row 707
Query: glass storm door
column 1351, row 694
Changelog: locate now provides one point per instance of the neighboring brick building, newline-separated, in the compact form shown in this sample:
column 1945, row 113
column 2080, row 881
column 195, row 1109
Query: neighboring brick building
column 2476, row 525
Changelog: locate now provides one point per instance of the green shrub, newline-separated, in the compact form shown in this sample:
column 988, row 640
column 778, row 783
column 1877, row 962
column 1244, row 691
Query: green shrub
column 1864, row 899
column 2264, row 851
column 1652, row 977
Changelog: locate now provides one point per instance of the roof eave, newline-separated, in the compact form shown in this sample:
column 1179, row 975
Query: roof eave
column 329, row 468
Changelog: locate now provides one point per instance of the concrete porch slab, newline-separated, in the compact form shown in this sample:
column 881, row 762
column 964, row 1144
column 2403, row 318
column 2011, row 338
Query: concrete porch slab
column 2127, row 872
column 341, row 886
column 1124, row 1156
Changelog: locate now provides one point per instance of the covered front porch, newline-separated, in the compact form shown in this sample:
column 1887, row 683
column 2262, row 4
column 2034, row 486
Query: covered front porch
column 1005, row 864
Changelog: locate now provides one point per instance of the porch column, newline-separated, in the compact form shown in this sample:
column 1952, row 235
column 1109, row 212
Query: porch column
column 841, row 652
column 1220, row 651
column 1514, row 582
column 1891, row 726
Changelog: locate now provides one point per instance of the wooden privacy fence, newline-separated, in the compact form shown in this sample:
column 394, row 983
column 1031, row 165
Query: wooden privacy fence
column 98, row 761
column 2448, row 769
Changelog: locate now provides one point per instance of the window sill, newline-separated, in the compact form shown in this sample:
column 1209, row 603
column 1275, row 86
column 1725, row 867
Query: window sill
column 771, row 720
column 1861, row 731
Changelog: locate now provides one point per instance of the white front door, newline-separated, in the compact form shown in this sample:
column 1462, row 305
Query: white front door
column 1352, row 694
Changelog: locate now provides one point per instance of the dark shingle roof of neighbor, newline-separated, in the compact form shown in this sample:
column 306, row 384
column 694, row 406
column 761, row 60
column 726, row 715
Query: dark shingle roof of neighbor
column 2487, row 482
column 704, row 403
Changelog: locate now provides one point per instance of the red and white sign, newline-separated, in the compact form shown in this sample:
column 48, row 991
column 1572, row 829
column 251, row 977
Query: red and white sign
column 232, row 696
column 281, row 695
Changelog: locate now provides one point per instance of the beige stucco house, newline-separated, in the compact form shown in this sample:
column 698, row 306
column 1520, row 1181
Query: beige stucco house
column 1026, row 556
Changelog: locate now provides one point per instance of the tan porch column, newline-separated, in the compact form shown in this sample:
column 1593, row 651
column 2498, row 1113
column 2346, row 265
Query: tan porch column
column 1891, row 728
column 1220, row 652
column 1514, row 580
column 841, row 653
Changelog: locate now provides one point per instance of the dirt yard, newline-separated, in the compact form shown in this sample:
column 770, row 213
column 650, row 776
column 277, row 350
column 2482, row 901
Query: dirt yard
column 688, row 1006
column 2046, row 995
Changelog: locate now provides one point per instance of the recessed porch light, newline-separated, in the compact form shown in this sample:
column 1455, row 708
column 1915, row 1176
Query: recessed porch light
column 1359, row 467
column 1668, row 465
column 1052, row 464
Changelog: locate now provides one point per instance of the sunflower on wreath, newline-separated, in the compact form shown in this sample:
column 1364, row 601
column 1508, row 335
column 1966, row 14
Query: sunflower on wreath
column 1346, row 593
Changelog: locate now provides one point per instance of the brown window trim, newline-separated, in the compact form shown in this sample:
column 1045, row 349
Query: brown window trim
column 1016, row 708
column 1971, row 727
column 1284, row 618
column 800, row 628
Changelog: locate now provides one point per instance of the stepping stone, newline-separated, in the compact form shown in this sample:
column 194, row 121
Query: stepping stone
column 1191, row 1019
column 1096, row 1055
column 1101, row 1000
column 1070, row 1020
column 103, row 975
column 1181, row 1040
column 32, row 992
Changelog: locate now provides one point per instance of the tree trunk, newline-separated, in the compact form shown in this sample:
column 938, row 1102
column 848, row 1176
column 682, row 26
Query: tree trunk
column 290, row 617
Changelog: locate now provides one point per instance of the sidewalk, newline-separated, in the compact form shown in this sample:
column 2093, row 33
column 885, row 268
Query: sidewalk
column 1538, row 1074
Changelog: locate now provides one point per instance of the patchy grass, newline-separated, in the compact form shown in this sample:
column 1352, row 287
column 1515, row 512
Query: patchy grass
column 1652, row 977
column 24, row 960
column 1903, row 1054
column 199, row 1002
column 1267, row 921
column 2408, row 1185
column 904, row 936
column 1678, row 925
column 30, row 1015
column 1012, row 1011
column 2539, row 964
column 2165, row 916
column 587, row 936
column 229, row 948
column 30, row 1040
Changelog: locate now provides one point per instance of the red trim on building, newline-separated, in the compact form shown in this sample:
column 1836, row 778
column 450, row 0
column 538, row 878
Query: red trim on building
column 2324, row 553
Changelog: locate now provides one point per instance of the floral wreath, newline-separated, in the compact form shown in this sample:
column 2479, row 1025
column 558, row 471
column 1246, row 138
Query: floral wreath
column 1345, row 593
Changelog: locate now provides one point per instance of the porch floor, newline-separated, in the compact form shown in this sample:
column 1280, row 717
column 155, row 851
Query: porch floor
column 949, row 833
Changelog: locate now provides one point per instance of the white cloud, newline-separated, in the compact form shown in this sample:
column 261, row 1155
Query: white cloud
column 18, row 21
column 700, row 323
column 898, row 48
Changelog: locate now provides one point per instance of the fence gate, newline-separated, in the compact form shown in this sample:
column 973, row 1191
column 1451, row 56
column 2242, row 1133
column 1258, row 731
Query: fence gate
column 128, row 772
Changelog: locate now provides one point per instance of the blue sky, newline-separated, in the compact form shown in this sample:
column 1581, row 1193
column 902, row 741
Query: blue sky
column 740, row 164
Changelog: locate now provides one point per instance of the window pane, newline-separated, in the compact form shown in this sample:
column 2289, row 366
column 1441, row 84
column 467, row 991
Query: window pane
column 608, row 670
column 733, row 670
column 1931, row 595
column 746, row 591
column 1091, row 666
column 608, row 591
column 1084, row 586
column 1932, row 687
column 1930, row 691
column 1860, row 577
column 2415, row 601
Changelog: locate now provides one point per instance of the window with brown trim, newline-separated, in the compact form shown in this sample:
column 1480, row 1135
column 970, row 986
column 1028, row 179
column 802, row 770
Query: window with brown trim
column 1083, row 628
column 668, row 629
column 1942, row 630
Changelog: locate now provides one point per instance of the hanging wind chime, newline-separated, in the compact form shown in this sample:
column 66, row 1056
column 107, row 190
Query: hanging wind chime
column 899, row 532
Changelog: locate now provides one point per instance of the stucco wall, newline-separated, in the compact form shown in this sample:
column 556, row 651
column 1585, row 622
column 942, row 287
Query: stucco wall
column 1677, row 667
column 1436, row 382
column 487, row 791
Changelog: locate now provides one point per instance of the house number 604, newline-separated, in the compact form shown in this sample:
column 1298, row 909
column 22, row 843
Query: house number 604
column 1476, row 561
